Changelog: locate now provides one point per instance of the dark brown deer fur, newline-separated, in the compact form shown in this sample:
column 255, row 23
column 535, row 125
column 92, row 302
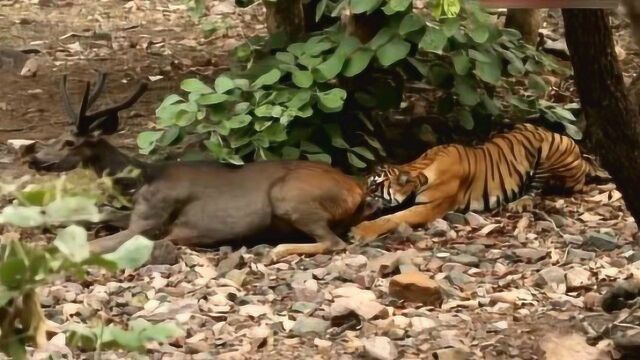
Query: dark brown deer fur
column 205, row 203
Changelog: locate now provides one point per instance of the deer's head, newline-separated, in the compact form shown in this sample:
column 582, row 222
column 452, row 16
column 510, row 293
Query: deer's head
column 78, row 145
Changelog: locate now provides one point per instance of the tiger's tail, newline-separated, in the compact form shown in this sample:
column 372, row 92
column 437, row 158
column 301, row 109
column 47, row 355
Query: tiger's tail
column 595, row 173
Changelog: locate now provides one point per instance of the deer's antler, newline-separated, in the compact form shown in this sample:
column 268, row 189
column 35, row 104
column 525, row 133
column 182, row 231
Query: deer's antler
column 106, row 119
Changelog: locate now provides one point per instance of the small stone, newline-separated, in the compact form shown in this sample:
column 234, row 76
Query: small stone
column 530, row 255
column 455, row 218
column 552, row 279
column 415, row 287
column 366, row 309
column 600, row 241
column 459, row 279
column 353, row 292
column 310, row 325
column 420, row 324
column 438, row 227
column 450, row 267
column 475, row 249
column 578, row 278
column 230, row 262
column 303, row 307
column 577, row 255
column 476, row 220
column 592, row 300
column 196, row 347
column 324, row 346
column 464, row 259
column 396, row 334
column 573, row 239
column 558, row 220
column 450, row 354
column 237, row 276
column 380, row 347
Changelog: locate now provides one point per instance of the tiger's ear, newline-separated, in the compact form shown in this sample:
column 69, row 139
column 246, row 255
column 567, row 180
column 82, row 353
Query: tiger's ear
column 422, row 179
column 404, row 177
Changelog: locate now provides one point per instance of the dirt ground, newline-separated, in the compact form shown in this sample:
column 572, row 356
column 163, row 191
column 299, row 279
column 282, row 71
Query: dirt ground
column 257, row 318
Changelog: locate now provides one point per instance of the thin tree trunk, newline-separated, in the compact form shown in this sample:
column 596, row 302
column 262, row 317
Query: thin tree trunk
column 286, row 17
column 613, row 124
column 526, row 21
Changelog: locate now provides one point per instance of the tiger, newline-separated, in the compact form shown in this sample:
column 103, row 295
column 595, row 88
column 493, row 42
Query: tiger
column 510, row 169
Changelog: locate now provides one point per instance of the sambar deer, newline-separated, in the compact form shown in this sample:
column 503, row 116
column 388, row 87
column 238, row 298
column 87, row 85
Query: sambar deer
column 206, row 203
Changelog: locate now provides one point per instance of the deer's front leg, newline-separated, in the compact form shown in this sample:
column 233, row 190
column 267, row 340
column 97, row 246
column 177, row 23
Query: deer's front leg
column 414, row 216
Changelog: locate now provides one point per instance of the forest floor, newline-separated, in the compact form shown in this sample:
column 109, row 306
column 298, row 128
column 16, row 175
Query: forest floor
column 516, row 286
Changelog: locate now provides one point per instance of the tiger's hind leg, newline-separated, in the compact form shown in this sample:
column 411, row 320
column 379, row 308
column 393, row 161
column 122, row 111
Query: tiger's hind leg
column 417, row 215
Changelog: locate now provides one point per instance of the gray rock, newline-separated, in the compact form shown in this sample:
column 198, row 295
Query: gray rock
column 600, row 241
column 577, row 255
column 304, row 307
column 310, row 325
column 552, row 279
column 464, row 259
column 530, row 255
column 455, row 218
column 476, row 220
column 438, row 227
column 380, row 347
column 558, row 220
column 459, row 279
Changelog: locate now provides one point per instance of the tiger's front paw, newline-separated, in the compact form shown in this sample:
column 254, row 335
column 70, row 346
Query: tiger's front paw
column 521, row 205
column 366, row 231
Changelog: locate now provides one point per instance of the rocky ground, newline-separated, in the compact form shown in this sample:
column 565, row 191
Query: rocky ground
column 488, row 286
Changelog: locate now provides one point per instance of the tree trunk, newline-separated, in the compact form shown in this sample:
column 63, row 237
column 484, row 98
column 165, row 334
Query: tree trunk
column 285, row 17
column 526, row 21
column 613, row 124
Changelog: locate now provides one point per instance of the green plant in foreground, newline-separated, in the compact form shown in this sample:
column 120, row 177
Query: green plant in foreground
column 23, row 268
column 293, row 104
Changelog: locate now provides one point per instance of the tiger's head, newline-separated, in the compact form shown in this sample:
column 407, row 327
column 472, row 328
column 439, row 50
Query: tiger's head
column 392, row 186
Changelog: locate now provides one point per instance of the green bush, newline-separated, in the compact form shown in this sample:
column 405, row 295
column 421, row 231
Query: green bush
column 295, row 104
column 25, row 267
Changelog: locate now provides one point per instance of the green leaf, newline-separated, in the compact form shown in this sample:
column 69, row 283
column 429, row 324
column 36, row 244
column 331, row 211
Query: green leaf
column 411, row 22
column 334, row 132
column 364, row 152
column 537, row 85
column 13, row 272
column 434, row 40
column 71, row 208
column 331, row 68
column 185, row 118
column 450, row 26
column 133, row 253
column 302, row 78
column 195, row 86
column 562, row 113
column 290, row 153
column 348, row 45
column 269, row 78
column 358, row 61
column 72, row 242
column 478, row 56
column 275, row 132
column 466, row 91
column 332, row 100
column 360, row 6
column 479, row 33
column 465, row 118
column 238, row 121
column 286, row 57
column 393, row 51
column 309, row 61
column 572, row 131
column 309, row 147
column 394, row 6
column 489, row 72
column 211, row 99
column 355, row 161
column 301, row 98
column 22, row 216
column 322, row 4
column 461, row 63
column 223, row 84
column 171, row 99
column 325, row 158
column 510, row 34
column 381, row 38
